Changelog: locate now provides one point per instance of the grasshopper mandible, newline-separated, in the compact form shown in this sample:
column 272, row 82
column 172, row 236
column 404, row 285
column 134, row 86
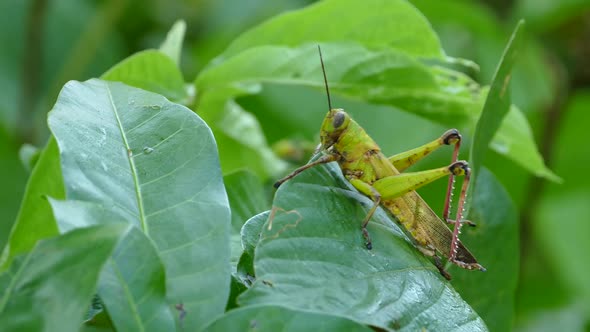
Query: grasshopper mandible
column 380, row 178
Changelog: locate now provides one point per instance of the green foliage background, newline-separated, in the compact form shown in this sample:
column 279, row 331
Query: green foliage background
column 275, row 108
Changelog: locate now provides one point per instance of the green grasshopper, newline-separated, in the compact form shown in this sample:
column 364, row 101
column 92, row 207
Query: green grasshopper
column 380, row 178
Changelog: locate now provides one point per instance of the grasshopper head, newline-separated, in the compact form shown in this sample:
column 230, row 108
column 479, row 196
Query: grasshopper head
column 335, row 122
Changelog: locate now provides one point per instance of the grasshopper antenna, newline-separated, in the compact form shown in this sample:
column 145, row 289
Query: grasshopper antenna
column 325, row 79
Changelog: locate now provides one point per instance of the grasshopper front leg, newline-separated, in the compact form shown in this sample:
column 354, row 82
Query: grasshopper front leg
column 322, row 160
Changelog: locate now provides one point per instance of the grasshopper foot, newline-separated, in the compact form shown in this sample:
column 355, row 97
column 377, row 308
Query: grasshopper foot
column 440, row 267
column 367, row 238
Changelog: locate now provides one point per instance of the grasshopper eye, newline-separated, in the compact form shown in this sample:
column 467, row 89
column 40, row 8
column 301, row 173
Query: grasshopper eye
column 338, row 120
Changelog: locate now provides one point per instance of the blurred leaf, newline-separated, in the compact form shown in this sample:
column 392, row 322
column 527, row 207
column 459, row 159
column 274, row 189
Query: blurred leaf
column 246, row 197
column 29, row 155
column 154, row 163
column 35, row 220
column 496, row 242
column 544, row 15
column 312, row 257
column 100, row 322
column 560, row 221
column 277, row 318
column 132, row 284
column 514, row 140
column 150, row 70
column 13, row 179
column 239, row 137
column 470, row 29
column 172, row 46
column 383, row 77
column 77, row 41
column 370, row 23
column 49, row 289
column 497, row 103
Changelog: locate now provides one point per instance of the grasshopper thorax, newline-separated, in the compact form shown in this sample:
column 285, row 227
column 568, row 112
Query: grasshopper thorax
column 335, row 123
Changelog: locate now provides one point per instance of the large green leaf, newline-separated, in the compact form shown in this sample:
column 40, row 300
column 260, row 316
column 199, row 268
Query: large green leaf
column 35, row 220
column 385, row 77
column 374, row 23
column 153, row 163
column 132, row 284
column 49, row 289
column 151, row 70
column 312, row 257
column 276, row 318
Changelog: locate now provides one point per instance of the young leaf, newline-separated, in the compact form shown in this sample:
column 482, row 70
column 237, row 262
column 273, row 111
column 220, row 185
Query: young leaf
column 172, row 46
column 50, row 288
column 151, row 70
column 496, row 107
column 312, row 257
column 154, row 163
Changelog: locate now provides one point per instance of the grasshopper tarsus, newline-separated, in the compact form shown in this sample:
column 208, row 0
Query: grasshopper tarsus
column 468, row 222
column 439, row 265
column 367, row 237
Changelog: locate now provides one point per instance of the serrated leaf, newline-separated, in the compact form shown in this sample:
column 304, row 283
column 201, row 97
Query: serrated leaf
column 312, row 257
column 172, row 45
column 153, row 163
column 35, row 220
column 276, row 318
column 150, row 70
column 50, row 288
column 375, row 23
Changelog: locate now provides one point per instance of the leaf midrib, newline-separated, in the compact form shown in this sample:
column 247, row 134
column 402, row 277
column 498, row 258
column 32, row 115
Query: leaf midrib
column 136, row 185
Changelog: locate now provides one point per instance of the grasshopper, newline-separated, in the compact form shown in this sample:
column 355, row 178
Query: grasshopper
column 380, row 178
